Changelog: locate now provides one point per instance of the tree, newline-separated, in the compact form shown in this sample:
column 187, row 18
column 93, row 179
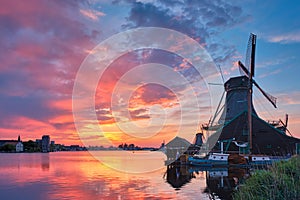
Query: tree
column 120, row 146
column 8, row 148
column 31, row 146
column 131, row 147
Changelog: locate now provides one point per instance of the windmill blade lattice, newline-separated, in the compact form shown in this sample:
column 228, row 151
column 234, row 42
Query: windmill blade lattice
column 250, row 61
column 271, row 98
column 249, row 50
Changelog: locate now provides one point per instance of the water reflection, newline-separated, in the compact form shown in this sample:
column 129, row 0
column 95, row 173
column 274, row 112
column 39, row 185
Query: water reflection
column 45, row 163
column 220, row 182
column 177, row 176
column 77, row 175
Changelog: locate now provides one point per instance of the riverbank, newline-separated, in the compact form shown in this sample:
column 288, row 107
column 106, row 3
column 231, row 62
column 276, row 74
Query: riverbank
column 282, row 181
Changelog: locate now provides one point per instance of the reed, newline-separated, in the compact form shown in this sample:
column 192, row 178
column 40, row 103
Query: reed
column 280, row 182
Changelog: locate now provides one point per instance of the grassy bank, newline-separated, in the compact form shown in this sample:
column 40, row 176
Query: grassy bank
column 282, row 181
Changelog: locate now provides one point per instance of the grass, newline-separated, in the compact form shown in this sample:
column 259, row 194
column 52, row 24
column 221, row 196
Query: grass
column 282, row 181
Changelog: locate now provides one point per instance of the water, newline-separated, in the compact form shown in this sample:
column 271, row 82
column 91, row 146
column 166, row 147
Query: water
column 78, row 175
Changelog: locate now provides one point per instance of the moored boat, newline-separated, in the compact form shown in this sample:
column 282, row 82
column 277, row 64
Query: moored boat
column 266, row 160
column 214, row 159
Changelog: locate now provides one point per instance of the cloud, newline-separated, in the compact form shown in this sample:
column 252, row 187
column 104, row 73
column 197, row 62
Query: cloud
column 202, row 20
column 285, row 38
column 152, row 94
column 139, row 114
column 29, row 106
column 92, row 14
column 42, row 45
column 269, row 73
column 274, row 62
column 194, row 18
column 44, row 42
column 27, row 127
column 292, row 98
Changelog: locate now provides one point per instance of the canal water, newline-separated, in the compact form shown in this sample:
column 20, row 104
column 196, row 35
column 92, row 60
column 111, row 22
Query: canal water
column 78, row 175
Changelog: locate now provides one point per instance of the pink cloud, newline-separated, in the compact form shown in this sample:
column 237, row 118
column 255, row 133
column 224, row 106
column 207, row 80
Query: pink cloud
column 44, row 43
column 92, row 14
column 292, row 98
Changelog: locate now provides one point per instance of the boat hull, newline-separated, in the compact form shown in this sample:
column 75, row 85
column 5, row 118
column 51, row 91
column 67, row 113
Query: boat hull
column 206, row 162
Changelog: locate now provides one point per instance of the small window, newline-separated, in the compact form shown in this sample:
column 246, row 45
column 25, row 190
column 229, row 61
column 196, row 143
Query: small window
column 214, row 157
column 245, row 131
column 221, row 157
column 254, row 158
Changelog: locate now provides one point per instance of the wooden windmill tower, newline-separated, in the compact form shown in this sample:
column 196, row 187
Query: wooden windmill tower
column 250, row 74
column 240, row 121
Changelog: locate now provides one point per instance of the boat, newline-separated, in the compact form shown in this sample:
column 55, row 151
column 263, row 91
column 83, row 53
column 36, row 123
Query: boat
column 212, row 160
column 256, row 160
column 233, row 160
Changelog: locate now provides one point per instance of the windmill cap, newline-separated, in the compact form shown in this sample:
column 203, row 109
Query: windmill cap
column 237, row 83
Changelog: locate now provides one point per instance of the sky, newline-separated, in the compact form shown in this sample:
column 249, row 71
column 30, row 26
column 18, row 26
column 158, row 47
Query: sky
column 45, row 45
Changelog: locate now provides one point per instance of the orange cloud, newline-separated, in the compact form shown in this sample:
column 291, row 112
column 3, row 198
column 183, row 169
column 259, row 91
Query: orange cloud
column 63, row 104
column 152, row 94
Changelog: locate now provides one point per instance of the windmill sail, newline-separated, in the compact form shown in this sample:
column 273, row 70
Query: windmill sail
column 253, row 45
column 268, row 96
column 250, row 56
column 243, row 69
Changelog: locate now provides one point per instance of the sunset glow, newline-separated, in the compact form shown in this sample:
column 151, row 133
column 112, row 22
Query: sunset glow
column 44, row 44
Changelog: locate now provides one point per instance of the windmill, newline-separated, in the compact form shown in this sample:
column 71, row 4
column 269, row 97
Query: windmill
column 250, row 63
column 284, row 125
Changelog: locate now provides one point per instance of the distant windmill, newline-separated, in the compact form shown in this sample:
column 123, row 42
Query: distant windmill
column 284, row 124
column 250, row 63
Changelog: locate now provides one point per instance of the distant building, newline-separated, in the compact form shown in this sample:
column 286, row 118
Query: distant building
column 39, row 142
column 11, row 145
column 19, row 145
column 175, row 148
column 75, row 148
column 45, row 143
